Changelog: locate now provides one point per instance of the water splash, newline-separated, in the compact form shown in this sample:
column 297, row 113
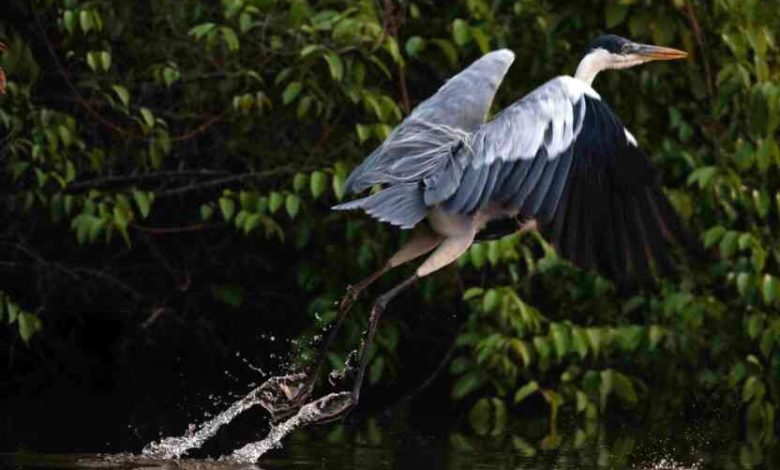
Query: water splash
column 174, row 447
column 327, row 406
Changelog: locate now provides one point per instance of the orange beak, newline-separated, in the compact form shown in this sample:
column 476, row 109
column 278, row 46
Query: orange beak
column 660, row 53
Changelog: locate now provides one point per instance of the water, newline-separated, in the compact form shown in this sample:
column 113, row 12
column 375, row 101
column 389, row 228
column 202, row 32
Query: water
column 397, row 443
column 196, row 435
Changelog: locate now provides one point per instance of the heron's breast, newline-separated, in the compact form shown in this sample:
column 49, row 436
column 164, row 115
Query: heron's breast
column 450, row 224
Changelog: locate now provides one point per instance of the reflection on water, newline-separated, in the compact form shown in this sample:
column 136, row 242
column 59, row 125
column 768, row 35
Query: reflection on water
column 529, row 446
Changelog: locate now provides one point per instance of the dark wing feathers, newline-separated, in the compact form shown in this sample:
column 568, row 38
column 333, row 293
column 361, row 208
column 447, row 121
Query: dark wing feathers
column 598, row 201
column 613, row 216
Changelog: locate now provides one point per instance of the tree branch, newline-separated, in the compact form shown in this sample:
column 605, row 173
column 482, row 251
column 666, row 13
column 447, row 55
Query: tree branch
column 176, row 230
column 225, row 181
column 114, row 181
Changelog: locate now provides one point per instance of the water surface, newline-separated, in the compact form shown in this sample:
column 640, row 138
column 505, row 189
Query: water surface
column 433, row 444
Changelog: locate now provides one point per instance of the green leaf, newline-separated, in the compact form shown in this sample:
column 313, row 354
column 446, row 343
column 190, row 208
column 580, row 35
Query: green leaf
column 105, row 60
column 317, row 183
column 93, row 61
column 13, row 311
column 467, row 384
column 202, row 29
column 473, row 292
column 493, row 252
column 526, row 390
column 339, row 185
column 491, row 300
column 228, row 207
column 729, row 244
column 762, row 202
column 121, row 221
column 148, row 117
column 206, row 211
column 170, row 76
column 579, row 341
column 122, row 93
column 69, row 20
column 335, row 65
column 292, row 205
column 85, row 19
column 363, row 132
column 414, row 45
column 291, row 92
column 461, row 32
column 449, row 50
column 769, row 287
column 29, row 324
column 753, row 388
column 478, row 255
column 310, row 49
column 275, row 201
column 482, row 39
column 230, row 37
column 713, row 235
column 299, row 181
column 144, row 202
column 479, row 416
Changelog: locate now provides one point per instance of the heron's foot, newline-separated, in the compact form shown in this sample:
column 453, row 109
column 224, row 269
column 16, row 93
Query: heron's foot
column 329, row 408
column 283, row 395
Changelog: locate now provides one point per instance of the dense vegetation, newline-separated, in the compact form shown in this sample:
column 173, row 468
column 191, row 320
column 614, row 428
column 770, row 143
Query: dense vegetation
column 164, row 158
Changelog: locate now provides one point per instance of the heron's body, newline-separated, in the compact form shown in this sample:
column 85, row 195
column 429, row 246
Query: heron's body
column 559, row 157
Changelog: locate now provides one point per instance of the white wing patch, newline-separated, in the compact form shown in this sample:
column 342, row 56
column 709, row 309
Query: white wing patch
column 544, row 120
column 630, row 138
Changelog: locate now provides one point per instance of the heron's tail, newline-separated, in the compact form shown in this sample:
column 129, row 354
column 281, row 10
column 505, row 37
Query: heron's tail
column 400, row 204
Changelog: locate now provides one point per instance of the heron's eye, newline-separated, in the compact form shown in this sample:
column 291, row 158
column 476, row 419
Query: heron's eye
column 625, row 49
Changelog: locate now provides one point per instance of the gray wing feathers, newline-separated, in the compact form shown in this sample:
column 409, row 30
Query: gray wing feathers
column 421, row 146
column 401, row 205
column 521, row 159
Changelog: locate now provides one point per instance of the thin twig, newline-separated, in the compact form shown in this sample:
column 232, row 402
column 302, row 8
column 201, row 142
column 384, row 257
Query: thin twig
column 700, row 40
column 113, row 181
column 222, row 182
column 200, row 129
column 405, row 104
column 176, row 230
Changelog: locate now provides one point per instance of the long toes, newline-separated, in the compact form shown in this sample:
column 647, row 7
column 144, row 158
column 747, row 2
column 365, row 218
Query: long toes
column 328, row 408
column 284, row 394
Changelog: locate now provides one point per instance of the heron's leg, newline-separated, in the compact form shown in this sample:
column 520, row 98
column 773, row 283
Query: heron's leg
column 422, row 241
column 527, row 226
column 335, row 406
column 283, row 395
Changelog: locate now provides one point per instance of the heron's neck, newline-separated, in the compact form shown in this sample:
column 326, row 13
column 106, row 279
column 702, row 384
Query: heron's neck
column 592, row 64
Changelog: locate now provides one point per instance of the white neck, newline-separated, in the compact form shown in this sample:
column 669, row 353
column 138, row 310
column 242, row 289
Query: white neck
column 601, row 59
column 592, row 64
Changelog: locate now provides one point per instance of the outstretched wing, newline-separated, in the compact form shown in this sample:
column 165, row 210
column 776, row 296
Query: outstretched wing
column 419, row 152
column 423, row 140
column 562, row 157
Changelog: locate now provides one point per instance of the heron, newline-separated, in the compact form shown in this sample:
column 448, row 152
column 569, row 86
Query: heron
column 558, row 160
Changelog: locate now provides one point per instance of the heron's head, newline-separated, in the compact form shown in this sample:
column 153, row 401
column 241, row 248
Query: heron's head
column 614, row 52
